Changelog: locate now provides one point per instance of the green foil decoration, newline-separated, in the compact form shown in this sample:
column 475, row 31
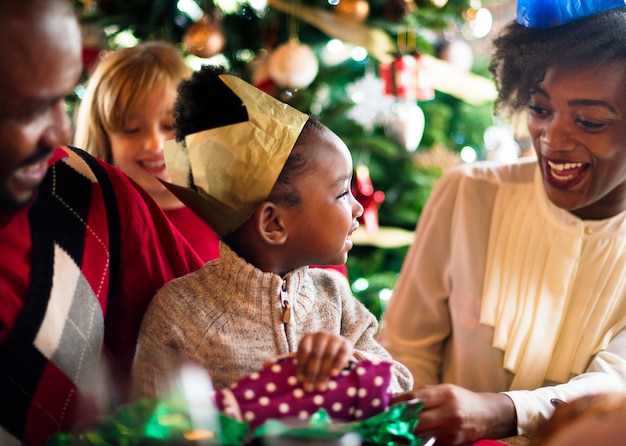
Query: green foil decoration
column 151, row 422
column 393, row 426
column 167, row 422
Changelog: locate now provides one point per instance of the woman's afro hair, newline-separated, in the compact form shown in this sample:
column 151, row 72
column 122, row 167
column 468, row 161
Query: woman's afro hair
column 522, row 55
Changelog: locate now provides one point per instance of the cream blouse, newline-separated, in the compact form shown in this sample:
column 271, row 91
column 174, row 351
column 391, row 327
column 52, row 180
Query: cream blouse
column 555, row 285
column 504, row 292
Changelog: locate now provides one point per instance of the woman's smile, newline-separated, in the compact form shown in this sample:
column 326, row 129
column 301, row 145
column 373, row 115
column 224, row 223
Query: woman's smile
column 565, row 175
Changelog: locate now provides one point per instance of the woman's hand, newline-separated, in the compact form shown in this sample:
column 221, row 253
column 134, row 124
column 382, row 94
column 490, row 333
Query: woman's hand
column 320, row 357
column 457, row 416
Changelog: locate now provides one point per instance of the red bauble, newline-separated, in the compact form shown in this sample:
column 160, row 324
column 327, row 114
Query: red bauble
column 363, row 191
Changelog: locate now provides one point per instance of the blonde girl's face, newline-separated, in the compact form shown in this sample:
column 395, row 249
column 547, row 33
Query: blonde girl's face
column 137, row 148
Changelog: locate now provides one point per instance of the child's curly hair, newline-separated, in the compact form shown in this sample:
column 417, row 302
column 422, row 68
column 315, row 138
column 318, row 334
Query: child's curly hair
column 205, row 102
column 522, row 55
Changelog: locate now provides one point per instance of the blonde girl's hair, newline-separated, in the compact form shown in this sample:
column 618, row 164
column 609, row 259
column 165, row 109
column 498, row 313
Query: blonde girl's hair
column 119, row 87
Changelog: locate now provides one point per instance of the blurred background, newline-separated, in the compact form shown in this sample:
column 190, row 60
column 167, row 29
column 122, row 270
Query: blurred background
column 404, row 83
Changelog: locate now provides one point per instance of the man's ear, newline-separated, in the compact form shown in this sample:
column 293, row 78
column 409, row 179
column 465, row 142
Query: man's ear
column 270, row 223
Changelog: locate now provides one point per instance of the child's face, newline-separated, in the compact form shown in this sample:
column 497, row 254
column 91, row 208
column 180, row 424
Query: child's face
column 137, row 149
column 320, row 227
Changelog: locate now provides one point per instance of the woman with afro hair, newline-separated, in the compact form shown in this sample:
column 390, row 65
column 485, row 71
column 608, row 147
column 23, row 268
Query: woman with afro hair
column 514, row 293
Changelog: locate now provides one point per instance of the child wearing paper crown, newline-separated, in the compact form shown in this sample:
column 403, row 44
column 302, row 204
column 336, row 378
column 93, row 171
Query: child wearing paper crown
column 275, row 185
column 514, row 292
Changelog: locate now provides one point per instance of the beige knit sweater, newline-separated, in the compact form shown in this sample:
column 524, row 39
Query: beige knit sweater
column 228, row 317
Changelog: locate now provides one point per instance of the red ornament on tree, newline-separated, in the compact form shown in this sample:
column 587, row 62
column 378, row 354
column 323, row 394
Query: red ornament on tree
column 408, row 77
column 408, row 80
column 93, row 44
column 370, row 199
column 260, row 76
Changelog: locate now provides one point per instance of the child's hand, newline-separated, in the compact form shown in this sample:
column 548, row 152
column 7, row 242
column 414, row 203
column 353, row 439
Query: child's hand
column 320, row 357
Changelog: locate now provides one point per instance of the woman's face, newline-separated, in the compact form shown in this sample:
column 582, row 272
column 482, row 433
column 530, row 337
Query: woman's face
column 577, row 122
column 137, row 149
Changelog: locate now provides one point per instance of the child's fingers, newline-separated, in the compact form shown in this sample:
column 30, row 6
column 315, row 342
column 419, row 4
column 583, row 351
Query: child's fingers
column 342, row 358
column 307, row 363
column 316, row 368
column 320, row 357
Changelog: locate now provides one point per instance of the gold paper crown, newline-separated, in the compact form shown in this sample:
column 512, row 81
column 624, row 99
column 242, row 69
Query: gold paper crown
column 224, row 173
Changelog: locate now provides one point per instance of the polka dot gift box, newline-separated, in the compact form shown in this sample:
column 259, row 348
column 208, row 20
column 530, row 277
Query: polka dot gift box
column 274, row 392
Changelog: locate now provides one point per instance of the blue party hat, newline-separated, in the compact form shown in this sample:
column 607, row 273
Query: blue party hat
column 549, row 13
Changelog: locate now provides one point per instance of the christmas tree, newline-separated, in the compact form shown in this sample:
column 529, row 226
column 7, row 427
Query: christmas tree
column 395, row 79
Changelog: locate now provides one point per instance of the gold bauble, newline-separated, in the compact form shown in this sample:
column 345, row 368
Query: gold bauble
column 356, row 10
column 204, row 38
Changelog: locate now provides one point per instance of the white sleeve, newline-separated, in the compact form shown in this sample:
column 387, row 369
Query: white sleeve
column 606, row 373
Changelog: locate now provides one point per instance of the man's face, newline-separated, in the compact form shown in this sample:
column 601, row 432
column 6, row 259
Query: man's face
column 40, row 65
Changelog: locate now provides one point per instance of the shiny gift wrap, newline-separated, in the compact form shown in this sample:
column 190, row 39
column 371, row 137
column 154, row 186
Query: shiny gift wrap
column 394, row 426
column 265, row 408
column 154, row 422
column 148, row 423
